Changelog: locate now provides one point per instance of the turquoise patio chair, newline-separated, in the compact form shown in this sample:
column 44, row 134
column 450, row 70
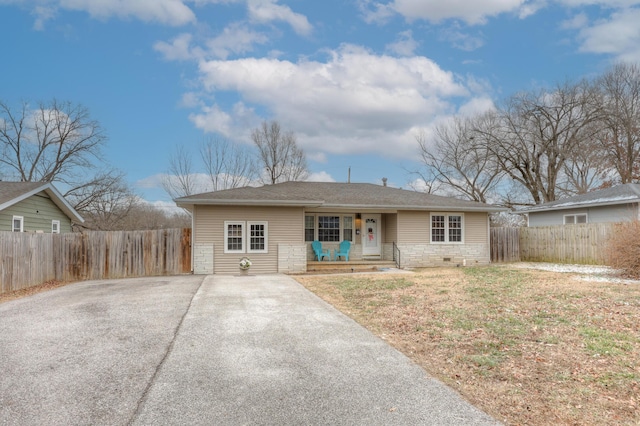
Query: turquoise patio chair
column 319, row 252
column 343, row 250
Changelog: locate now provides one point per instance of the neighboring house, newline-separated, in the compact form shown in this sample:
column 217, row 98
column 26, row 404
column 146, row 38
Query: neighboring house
column 35, row 207
column 274, row 225
column 616, row 204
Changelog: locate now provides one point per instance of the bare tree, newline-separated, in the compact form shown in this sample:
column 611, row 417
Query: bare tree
column 459, row 161
column 585, row 170
column 180, row 180
column 279, row 155
column 535, row 134
column 227, row 165
column 143, row 216
column 57, row 141
column 621, row 136
column 105, row 204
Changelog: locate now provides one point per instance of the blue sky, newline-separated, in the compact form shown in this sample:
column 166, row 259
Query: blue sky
column 354, row 80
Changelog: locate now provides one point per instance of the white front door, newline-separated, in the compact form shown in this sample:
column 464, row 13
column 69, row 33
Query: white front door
column 371, row 228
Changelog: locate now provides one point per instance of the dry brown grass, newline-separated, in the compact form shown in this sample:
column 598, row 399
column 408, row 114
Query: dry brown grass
column 49, row 285
column 528, row 347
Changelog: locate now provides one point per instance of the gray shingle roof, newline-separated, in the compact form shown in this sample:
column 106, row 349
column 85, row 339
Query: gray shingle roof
column 333, row 195
column 14, row 192
column 621, row 194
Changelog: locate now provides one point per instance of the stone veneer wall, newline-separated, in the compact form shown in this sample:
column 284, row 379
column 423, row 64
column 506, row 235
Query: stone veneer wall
column 292, row 258
column 424, row 255
column 203, row 258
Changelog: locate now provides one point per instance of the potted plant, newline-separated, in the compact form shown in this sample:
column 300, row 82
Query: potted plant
column 245, row 264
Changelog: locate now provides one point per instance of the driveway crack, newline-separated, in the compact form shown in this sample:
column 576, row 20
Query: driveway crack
column 168, row 351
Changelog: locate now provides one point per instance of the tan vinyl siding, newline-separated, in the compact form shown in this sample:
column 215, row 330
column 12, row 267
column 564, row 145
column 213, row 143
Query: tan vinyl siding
column 413, row 227
column 46, row 210
column 390, row 222
column 475, row 228
column 285, row 225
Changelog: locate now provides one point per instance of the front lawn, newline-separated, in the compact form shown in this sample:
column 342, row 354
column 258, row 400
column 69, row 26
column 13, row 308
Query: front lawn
column 528, row 347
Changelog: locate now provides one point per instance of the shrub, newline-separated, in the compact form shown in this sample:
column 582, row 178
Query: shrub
column 623, row 250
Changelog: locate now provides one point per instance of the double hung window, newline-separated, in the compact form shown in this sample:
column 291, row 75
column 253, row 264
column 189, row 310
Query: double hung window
column 447, row 228
column 245, row 237
column 18, row 224
column 571, row 219
column 328, row 228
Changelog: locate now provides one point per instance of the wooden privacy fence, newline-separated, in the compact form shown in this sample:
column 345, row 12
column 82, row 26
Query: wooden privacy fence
column 29, row 259
column 505, row 244
column 582, row 244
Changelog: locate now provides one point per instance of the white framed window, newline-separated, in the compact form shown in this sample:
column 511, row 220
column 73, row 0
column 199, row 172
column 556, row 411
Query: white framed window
column 328, row 228
column 258, row 237
column 55, row 226
column 347, row 228
column 246, row 237
column 309, row 228
column 18, row 224
column 572, row 219
column 234, row 237
column 447, row 228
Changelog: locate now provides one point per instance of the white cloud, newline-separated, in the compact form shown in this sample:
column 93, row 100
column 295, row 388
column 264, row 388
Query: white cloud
column 619, row 35
column 602, row 3
column 405, row 46
column 461, row 40
column 472, row 12
column 476, row 106
column 577, row 22
column 354, row 102
column 179, row 49
column 236, row 38
column 320, row 177
column 266, row 11
column 169, row 12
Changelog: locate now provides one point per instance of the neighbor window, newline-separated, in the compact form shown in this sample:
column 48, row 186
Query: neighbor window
column 18, row 224
column 55, row 226
column 257, row 237
column 234, row 237
column 446, row 228
column 571, row 219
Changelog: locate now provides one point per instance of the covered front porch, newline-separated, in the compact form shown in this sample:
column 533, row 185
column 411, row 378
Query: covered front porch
column 340, row 266
column 370, row 233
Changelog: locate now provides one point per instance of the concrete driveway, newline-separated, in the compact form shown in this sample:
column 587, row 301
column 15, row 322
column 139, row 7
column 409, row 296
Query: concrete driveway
column 215, row 350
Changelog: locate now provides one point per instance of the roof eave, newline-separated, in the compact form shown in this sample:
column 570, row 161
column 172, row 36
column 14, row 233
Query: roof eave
column 318, row 204
column 57, row 198
column 256, row 203
column 579, row 206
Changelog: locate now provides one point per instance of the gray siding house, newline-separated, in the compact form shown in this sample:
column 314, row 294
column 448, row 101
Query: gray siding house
column 616, row 204
column 274, row 226
column 35, row 207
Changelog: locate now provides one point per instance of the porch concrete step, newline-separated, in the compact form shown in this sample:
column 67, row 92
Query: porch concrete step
column 351, row 266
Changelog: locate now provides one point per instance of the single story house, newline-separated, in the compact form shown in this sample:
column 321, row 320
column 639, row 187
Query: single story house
column 274, row 226
column 615, row 204
column 35, row 207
